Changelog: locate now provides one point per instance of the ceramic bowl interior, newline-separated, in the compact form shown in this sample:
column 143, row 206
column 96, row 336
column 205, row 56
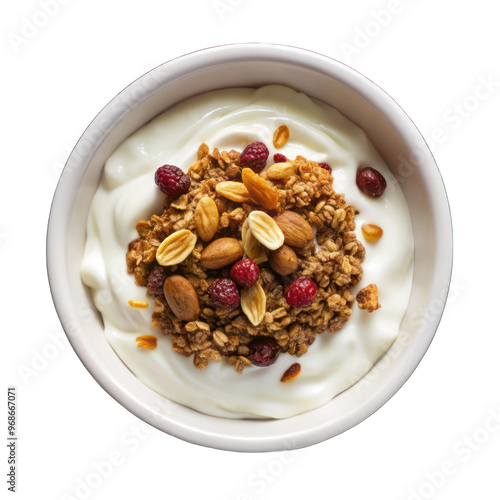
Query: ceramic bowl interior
column 254, row 65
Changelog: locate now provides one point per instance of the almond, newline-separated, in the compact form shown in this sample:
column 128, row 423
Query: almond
column 252, row 247
column 234, row 191
column 371, row 232
column 175, row 248
column 147, row 341
column 298, row 232
column 292, row 373
column 284, row 261
column 206, row 218
column 182, row 298
column 220, row 253
column 253, row 303
column 281, row 136
column 281, row 171
column 266, row 230
column 261, row 192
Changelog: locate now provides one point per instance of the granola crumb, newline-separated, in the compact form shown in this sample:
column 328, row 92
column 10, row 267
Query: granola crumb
column 367, row 298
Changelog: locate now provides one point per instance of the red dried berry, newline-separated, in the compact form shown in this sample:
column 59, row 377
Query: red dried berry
column 172, row 180
column 371, row 182
column 264, row 351
column 326, row 167
column 279, row 158
column 245, row 272
column 254, row 156
column 156, row 278
column 301, row 292
column 224, row 293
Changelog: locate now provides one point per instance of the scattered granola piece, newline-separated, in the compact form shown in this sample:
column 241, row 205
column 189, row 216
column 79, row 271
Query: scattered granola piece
column 291, row 373
column 138, row 304
column 371, row 232
column 147, row 341
column 367, row 298
column 281, row 136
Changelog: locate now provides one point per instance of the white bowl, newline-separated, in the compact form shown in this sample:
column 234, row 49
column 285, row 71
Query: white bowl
column 393, row 134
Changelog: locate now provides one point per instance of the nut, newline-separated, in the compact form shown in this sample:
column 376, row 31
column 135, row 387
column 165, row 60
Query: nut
column 265, row 229
column 147, row 341
column 371, row 232
column 292, row 373
column 367, row 298
column 261, row 192
column 281, row 136
column 206, row 218
column 182, row 298
column 281, row 171
column 284, row 261
column 298, row 232
column 175, row 248
column 138, row 304
column 220, row 253
column 253, row 303
column 234, row 191
column 251, row 245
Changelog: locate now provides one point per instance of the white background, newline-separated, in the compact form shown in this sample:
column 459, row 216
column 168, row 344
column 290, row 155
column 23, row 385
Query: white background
column 433, row 58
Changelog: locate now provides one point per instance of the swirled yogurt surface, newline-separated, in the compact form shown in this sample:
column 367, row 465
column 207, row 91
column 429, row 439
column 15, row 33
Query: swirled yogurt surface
column 231, row 119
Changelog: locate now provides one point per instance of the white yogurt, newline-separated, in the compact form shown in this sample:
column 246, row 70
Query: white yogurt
column 231, row 119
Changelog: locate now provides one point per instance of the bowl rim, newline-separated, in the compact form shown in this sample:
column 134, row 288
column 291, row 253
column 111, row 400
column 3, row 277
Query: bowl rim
column 388, row 107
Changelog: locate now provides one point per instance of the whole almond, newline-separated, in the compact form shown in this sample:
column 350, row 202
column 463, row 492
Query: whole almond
column 253, row 303
column 206, row 218
column 371, row 232
column 298, row 232
column 182, row 298
column 252, row 247
column 234, row 191
column 265, row 229
column 175, row 248
column 261, row 192
column 284, row 261
column 220, row 253
column 281, row 171
column 281, row 136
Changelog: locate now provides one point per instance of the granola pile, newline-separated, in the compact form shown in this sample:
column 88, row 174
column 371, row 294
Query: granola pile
column 186, row 228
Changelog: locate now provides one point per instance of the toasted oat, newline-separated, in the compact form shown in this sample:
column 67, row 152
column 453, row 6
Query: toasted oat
column 147, row 341
column 138, row 304
column 291, row 373
column 281, row 136
column 367, row 298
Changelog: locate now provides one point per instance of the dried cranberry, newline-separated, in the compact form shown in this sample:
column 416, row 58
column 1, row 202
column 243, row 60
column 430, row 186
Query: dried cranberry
column 326, row 167
column 224, row 293
column 172, row 180
column 156, row 279
column 254, row 156
column 301, row 292
column 245, row 272
column 371, row 182
column 279, row 158
column 264, row 351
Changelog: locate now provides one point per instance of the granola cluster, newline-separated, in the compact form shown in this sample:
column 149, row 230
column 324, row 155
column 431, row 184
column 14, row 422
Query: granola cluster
column 221, row 333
